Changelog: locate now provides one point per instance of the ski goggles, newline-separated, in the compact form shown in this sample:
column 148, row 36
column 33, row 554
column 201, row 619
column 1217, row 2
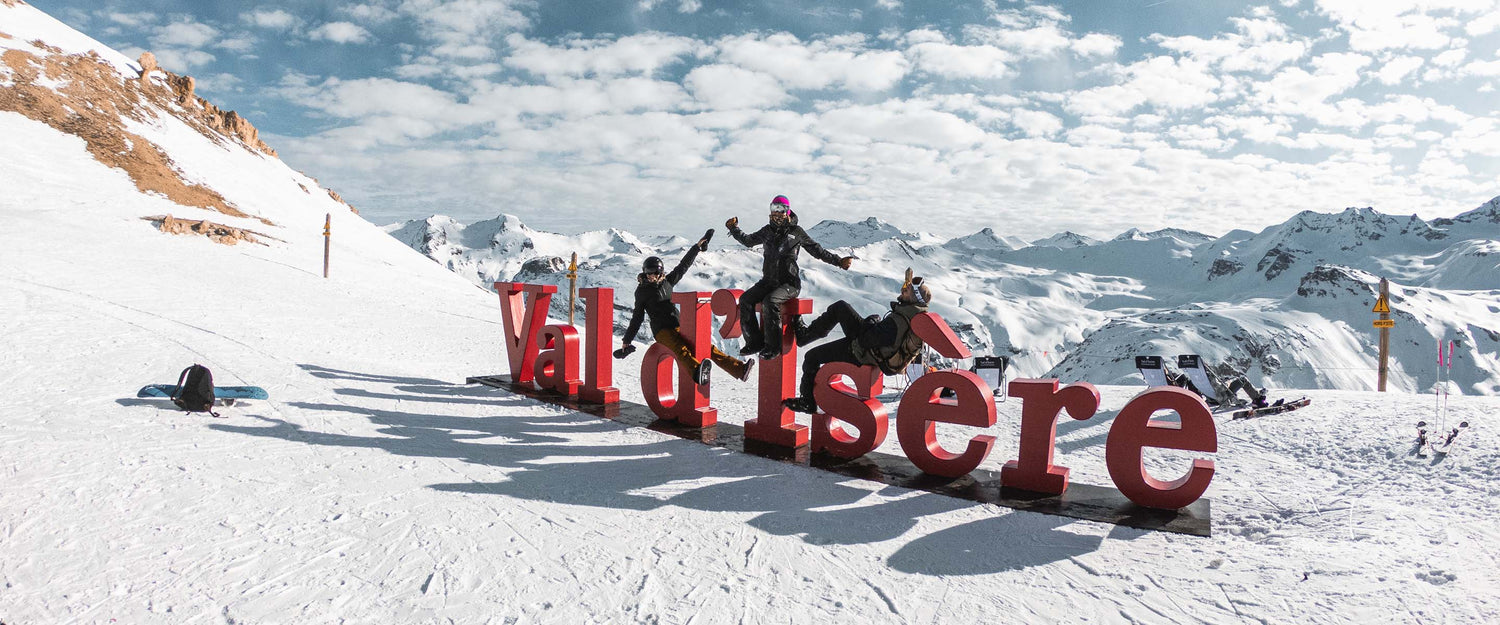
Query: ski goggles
column 780, row 210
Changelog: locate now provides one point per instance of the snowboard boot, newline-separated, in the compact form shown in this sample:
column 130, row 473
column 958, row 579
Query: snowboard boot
column 701, row 374
column 771, row 352
column 1259, row 402
column 744, row 370
column 803, row 405
column 752, row 347
column 800, row 329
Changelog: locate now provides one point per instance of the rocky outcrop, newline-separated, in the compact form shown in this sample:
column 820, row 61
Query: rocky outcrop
column 201, row 113
column 11, row 3
column 216, row 232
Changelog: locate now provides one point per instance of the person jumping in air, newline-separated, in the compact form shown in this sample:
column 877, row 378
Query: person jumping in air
column 653, row 298
column 780, row 280
column 888, row 343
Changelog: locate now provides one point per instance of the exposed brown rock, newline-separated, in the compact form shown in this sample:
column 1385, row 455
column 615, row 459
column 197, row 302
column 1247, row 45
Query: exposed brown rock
column 92, row 104
column 218, row 233
column 38, row 43
column 148, row 63
column 333, row 194
column 12, row 3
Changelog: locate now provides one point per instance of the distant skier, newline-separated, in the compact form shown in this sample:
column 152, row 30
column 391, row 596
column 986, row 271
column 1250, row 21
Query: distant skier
column 781, row 280
column 888, row 343
column 653, row 298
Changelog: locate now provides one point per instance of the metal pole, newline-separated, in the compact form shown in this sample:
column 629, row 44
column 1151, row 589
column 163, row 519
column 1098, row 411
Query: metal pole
column 1383, row 307
column 327, row 237
column 572, row 286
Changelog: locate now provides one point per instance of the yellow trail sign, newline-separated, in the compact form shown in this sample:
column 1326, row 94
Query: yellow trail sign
column 1385, row 323
column 1382, row 305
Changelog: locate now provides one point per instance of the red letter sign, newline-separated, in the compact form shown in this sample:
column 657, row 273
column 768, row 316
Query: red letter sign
column 599, row 331
column 1040, row 404
column 557, row 365
column 921, row 408
column 522, row 323
column 726, row 304
column 690, row 405
column 773, row 423
column 854, row 406
column 1134, row 429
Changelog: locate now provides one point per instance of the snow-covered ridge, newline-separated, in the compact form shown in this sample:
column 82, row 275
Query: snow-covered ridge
column 1289, row 305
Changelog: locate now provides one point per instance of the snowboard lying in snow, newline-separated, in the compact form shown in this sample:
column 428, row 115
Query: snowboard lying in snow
column 228, row 393
column 1277, row 408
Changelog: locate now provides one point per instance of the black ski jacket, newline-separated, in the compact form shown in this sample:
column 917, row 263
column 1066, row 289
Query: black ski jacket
column 655, row 300
column 782, row 244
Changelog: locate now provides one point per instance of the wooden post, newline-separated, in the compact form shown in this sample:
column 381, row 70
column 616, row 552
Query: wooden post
column 1383, row 307
column 572, row 286
column 327, row 237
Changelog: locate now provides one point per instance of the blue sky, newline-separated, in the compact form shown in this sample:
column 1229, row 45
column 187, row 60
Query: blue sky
column 668, row 116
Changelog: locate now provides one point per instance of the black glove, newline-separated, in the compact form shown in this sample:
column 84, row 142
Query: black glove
column 703, row 242
column 627, row 350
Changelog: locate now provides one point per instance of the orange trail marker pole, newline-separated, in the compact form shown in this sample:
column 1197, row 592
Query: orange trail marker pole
column 572, row 286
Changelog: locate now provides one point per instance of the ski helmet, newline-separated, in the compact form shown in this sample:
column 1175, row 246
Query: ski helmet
column 781, row 199
column 652, row 265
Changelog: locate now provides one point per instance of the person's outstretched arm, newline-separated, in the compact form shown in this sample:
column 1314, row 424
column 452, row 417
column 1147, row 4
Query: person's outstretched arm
column 682, row 266
column 747, row 240
column 824, row 255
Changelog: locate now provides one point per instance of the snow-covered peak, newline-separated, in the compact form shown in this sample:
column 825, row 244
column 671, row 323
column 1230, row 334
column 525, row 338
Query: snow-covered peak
column 835, row 233
column 1186, row 236
column 985, row 241
column 1065, row 240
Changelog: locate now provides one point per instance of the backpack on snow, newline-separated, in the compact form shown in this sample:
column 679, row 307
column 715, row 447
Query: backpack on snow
column 195, row 390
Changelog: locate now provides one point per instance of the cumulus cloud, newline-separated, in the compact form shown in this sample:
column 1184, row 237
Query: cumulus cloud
column 1397, row 69
column 947, row 60
column 720, row 87
column 464, row 29
column 645, row 53
column 185, row 34
column 276, row 19
column 1096, row 44
column 1387, row 24
column 843, row 62
column 1163, row 82
column 1296, row 91
column 340, row 32
column 1261, row 45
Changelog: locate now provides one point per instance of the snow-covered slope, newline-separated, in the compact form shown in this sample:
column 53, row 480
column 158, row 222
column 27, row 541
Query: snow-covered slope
column 374, row 487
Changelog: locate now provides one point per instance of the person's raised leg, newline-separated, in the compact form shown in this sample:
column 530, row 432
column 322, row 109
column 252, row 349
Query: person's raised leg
column 750, row 326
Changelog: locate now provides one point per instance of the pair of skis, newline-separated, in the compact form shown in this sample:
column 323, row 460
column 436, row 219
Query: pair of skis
column 1277, row 408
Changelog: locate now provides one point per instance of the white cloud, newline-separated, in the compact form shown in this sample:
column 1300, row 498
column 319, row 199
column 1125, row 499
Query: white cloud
column 1450, row 58
column 463, row 29
column 645, row 53
column 1096, row 44
column 369, row 13
column 1484, row 24
column 1397, row 69
column 1481, row 68
column 182, row 61
column 689, row 6
column 1295, row 91
column 1260, row 45
column 132, row 19
column 889, row 5
column 900, row 122
column 819, row 64
column 727, row 87
column 185, row 34
column 1389, row 24
column 241, row 44
column 340, row 32
column 961, row 62
column 1036, row 123
column 1167, row 83
column 275, row 20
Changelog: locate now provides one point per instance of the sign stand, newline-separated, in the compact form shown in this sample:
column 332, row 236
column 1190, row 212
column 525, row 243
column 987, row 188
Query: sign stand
column 572, row 286
column 1385, row 323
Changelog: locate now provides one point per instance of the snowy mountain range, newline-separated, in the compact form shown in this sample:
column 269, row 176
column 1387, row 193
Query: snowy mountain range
column 1289, row 306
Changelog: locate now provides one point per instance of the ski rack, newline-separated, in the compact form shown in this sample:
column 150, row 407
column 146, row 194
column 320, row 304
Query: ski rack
column 1081, row 501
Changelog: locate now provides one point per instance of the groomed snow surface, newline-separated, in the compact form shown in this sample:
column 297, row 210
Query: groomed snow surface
column 374, row 487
